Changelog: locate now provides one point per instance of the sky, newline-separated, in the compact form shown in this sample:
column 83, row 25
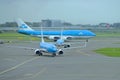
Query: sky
column 73, row 11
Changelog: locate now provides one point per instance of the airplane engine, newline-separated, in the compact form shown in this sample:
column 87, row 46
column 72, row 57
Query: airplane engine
column 55, row 38
column 38, row 52
column 66, row 45
column 51, row 37
column 60, row 52
column 64, row 37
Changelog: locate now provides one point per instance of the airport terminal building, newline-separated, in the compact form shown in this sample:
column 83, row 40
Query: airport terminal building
column 51, row 23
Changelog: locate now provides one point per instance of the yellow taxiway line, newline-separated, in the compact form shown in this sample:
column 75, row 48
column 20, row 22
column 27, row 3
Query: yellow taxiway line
column 15, row 67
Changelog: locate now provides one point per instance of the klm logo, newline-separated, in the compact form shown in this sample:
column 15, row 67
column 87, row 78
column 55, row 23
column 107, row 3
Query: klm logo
column 23, row 26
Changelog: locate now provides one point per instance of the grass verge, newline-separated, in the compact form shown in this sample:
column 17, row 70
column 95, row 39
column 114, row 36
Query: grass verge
column 16, row 36
column 9, row 36
column 111, row 52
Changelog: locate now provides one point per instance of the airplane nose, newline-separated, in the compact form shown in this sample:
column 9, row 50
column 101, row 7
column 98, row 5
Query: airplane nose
column 93, row 34
column 89, row 33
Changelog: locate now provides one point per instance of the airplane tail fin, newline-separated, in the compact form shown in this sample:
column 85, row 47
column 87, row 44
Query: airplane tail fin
column 42, row 35
column 22, row 25
column 61, row 35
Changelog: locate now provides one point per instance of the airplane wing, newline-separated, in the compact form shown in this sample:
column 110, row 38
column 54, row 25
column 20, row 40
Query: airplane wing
column 73, row 47
column 26, row 48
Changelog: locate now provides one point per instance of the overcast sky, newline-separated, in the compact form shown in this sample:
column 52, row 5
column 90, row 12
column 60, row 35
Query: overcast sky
column 74, row 11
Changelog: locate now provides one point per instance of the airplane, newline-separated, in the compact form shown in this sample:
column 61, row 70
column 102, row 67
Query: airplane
column 44, row 47
column 54, row 35
column 47, row 47
column 60, row 42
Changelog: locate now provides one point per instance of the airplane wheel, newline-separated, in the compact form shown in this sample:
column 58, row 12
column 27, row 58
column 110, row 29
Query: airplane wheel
column 40, row 54
column 65, row 46
column 87, row 40
column 53, row 55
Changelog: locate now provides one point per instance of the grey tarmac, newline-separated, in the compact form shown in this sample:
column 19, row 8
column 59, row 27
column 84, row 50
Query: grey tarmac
column 75, row 64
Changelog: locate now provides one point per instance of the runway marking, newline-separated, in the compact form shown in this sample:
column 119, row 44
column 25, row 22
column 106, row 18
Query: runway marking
column 12, row 68
column 85, row 54
column 40, row 72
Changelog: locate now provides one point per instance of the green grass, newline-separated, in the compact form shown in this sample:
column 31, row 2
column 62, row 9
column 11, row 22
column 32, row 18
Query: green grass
column 104, row 34
column 9, row 36
column 16, row 36
column 111, row 52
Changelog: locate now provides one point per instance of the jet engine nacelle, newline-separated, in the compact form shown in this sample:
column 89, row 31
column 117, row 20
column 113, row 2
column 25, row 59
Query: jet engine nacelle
column 60, row 52
column 38, row 52
column 67, row 37
column 66, row 45
column 55, row 38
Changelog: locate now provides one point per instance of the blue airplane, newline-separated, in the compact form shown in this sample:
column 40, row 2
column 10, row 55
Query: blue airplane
column 47, row 47
column 55, row 35
column 60, row 42
column 44, row 47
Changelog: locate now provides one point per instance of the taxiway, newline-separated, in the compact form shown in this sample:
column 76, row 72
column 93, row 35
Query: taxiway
column 75, row 64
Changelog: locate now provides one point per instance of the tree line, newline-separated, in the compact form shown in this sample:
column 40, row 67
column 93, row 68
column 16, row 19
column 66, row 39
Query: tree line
column 14, row 24
column 38, row 24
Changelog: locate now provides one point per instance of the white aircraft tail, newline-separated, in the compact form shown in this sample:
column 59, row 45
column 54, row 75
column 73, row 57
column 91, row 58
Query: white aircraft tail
column 61, row 36
column 22, row 25
column 42, row 35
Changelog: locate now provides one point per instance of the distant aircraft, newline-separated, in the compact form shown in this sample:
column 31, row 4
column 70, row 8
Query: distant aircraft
column 45, row 47
column 60, row 42
column 54, row 35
